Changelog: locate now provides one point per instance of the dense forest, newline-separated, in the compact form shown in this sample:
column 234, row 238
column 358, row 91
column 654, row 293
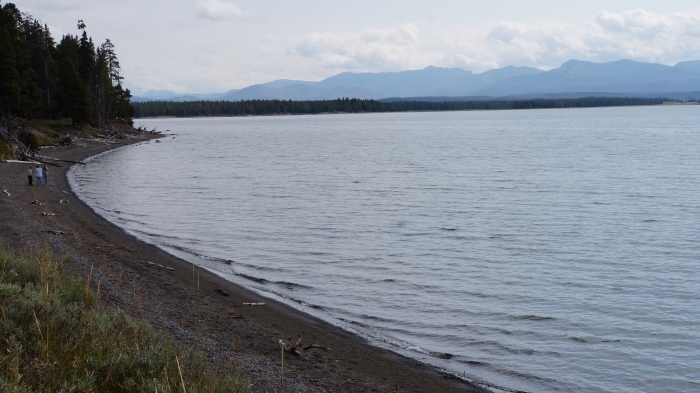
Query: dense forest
column 587, row 102
column 258, row 107
column 346, row 105
column 74, row 78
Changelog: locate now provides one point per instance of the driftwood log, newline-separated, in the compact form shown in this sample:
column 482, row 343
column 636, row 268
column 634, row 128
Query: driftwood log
column 295, row 347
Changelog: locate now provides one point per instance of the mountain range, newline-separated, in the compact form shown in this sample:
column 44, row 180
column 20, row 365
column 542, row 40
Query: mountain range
column 574, row 78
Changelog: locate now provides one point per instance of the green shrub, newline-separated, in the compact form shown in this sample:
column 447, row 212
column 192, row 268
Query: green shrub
column 5, row 151
column 54, row 339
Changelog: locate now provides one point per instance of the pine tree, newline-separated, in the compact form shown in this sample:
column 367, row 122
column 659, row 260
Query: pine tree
column 72, row 79
column 15, row 55
column 73, row 98
column 9, row 78
column 86, row 58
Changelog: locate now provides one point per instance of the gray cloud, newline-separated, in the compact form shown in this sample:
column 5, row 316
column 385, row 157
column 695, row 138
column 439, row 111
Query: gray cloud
column 635, row 34
column 219, row 10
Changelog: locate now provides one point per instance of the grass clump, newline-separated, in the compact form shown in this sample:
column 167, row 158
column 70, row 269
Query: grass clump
column 53, row 338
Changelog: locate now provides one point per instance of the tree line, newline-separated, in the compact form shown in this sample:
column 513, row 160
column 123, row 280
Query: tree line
column 586, row 102
column 353, row 105
column 74, row 79
column 257, row 107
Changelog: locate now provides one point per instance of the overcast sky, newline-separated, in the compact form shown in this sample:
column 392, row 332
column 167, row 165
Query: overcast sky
column 200, row 46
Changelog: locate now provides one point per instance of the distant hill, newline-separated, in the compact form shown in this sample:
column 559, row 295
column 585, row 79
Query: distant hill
column 575, row 78
column 428, row 81
column 693, row 65
column 623, row 76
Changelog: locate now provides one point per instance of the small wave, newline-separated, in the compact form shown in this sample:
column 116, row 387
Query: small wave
column 354, row 322
column 251, row 278
column 531, row 318
column 291, row 285
column 159, row 236
column 579, row 340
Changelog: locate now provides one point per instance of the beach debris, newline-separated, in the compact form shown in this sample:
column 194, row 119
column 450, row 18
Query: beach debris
column 47, row 214
column 315, row 346
column 5, row 191
column 254, row 304
column 157, row 141
column 221, row 292
column 292, row 348
column 63, row 201
column 51, row 231
column 36, row 202
column 65, row 192
column 157, row 265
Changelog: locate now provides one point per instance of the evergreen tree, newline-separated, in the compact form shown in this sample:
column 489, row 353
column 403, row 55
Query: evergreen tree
column 86, row 58
column 72, row 79
column 9, row 77
column 15, row 54
column 42, row 50
column 73, row 98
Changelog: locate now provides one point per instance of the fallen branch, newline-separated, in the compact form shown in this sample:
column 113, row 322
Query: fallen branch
column 293, row 348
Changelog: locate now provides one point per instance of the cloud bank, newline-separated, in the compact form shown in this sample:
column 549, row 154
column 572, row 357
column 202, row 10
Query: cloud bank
column 219, row 10
column 634, row 34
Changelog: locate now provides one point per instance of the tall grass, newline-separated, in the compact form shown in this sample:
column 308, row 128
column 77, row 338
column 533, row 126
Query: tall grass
column 54, row 339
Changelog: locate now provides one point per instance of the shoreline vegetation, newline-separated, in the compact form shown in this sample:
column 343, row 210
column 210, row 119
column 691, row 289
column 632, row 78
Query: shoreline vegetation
column 58, row 336
column 150, row 109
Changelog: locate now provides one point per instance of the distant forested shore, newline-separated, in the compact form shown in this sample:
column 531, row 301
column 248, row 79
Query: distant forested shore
column 353, row 105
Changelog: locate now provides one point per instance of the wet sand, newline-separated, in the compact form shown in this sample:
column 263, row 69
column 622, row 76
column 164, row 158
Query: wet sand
column 186, row 302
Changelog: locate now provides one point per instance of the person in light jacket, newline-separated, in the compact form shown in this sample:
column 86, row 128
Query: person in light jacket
column 30, row 175
column 39, row 175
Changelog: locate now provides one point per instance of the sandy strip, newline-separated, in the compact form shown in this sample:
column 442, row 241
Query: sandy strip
column 148, row 282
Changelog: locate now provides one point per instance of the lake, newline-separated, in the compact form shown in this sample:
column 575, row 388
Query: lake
column 539, row 250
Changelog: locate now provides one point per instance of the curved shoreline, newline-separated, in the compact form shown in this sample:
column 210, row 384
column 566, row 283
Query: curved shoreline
column 180, row 298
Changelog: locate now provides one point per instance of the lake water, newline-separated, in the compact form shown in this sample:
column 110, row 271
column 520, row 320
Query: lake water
column 540, row 250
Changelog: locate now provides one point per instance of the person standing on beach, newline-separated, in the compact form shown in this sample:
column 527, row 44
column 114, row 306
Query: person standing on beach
column 30, row 175
column 45, row 171
column 39, row 175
